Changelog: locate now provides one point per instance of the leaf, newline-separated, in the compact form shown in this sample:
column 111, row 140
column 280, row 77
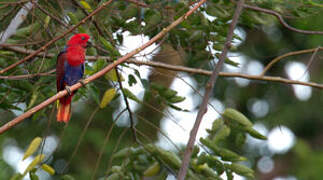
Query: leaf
column 152, row 170
column 107, row 97
column 33, row 146
column 130, row 95
column 94, row 92
column 33, row 176
column 86, row 6
column 112, row 75
column 67, row 177
column 17, row 176
column 131, row 80
column 48, row 169
column 237, row 116
column 108, row 46
column 38, row 159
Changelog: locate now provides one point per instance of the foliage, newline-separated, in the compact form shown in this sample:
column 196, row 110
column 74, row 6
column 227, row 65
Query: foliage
column 195, row 43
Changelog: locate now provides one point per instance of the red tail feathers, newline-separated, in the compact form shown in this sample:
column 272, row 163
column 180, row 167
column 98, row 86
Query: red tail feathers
column 64, row 109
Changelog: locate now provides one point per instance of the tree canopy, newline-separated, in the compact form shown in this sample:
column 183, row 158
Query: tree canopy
column 149, row 76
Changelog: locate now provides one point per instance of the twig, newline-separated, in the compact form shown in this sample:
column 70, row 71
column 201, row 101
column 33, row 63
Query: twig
column 142, row 4
column 132, row 125
column 28, row 76
column 56, row 38
column 281, row 19
column 310, row 61
column 50, row 15
column 208, row 92
column 60, row 94
column 272, row 62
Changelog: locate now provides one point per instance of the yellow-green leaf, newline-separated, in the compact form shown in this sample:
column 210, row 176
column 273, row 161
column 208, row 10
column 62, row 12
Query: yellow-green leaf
column 86, row 6
column 38, row 159
column 112, row 75
column 33, row 146
column 48, row 169
column 152, row 170
column 46, row 21
column 107, row 97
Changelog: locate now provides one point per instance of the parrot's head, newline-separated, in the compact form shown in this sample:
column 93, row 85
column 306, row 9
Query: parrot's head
column 79, row 39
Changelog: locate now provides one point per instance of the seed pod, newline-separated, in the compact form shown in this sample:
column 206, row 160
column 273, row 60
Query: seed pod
column 240, row 169
column 38, row 159
column 33, row 146
column 255, row 133
column 48, row 169
column 222, row 133
column 237, row 116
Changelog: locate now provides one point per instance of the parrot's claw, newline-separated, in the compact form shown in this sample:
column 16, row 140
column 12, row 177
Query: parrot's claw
column 82, row 82
column 68, row 90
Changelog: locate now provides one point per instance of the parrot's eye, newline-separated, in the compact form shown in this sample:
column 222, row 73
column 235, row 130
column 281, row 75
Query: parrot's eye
column 83, row 38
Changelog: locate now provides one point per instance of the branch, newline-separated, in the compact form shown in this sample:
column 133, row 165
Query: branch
column 272, row 62
column 281, row 19
column 56, row 38
column 208, row 92
column 63, row 93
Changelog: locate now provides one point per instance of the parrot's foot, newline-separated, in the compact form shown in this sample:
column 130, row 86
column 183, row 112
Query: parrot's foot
column 82, row 82
column 68, row 90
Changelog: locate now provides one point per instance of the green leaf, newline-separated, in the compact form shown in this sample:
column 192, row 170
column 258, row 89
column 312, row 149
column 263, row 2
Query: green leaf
column 130, row 95
column 33, row 176
column 86, row 6
column 67, row 177
column 131, row 80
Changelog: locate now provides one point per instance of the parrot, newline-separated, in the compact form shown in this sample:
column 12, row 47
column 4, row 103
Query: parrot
column 69, row 71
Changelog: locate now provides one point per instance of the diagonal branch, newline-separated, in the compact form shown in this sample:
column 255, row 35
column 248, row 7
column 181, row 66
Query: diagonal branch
column 208, row 92
column 56, row 38
column 63, row 93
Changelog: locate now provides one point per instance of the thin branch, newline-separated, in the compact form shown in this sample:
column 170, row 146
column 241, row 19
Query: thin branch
column 63, row 93
column 132, row 124
column 272, row 62
column 28, row 76
column 208, row 92
column 142, row 4
column 56, row 38
column 50, row 15
column 281, row 19
column 189, row 70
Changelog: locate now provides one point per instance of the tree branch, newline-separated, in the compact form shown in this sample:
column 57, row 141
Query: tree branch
column 281, row 19
column 63, row 93
column 208, row 92
column 56, row 38
column 272, row 62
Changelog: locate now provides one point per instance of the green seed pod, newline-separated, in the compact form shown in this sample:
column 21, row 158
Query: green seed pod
column 221, row 134
column 33, row 176
column 170, row 158
column 255, row 133
column 176, row 99
column 67, row 177
column 48, row 169
column 237, row 116
column 240, row 169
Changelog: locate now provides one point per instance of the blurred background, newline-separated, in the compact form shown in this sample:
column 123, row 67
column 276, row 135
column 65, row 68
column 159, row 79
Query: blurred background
column 290, row 116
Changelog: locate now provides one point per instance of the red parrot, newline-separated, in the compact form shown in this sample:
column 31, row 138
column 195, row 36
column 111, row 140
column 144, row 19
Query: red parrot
column 69, row 71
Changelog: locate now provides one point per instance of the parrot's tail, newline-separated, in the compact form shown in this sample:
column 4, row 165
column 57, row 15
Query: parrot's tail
column 64, row 109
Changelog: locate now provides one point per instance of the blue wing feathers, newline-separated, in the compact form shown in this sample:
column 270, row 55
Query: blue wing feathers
column 72, row 73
